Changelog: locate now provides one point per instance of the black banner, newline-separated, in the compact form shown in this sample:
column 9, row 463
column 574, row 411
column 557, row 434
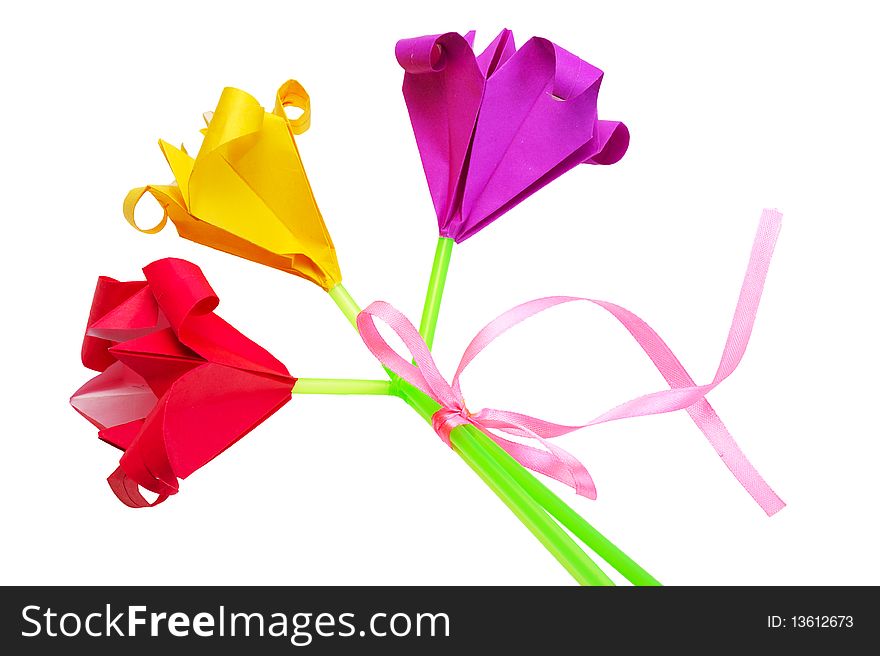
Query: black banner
column 279, row 620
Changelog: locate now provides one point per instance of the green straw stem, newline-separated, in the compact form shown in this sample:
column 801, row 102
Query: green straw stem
column 346, row 303
column 436, row 284
column 568, row 517
column 342, row 386
column 566, row 551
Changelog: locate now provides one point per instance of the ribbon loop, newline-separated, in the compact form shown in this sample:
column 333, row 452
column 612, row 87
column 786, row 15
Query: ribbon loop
column 445, row 419
column 425, row 376
column 552, row 461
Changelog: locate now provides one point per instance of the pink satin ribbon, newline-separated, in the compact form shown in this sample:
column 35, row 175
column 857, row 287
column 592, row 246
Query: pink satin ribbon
column 555, row 462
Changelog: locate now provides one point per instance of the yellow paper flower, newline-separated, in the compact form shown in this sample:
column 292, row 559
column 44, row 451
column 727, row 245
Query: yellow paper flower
column 246, row 192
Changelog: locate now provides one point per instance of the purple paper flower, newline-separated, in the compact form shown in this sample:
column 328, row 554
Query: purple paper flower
column 493, row 129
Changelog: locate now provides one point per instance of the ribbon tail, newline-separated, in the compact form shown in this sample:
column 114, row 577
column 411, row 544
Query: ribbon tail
column 700, row 411
column 555, row 463
column 708, row 421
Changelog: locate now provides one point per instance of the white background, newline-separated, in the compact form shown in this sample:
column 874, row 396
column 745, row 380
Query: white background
column 763, row 104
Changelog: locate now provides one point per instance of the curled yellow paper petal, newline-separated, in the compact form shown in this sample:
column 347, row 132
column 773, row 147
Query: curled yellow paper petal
column 246, row 192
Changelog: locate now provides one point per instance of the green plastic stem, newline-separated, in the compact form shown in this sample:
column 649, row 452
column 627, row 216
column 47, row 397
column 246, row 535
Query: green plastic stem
column 341, row 386
column 346, row 303
column 580, row 527
column 436, row 284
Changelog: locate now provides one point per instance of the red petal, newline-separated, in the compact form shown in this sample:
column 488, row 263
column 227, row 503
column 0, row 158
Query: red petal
column 109, row 293
column 116, row 396
column 202, row 414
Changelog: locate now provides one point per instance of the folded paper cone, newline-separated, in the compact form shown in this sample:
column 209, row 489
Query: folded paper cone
column 494, row 128
column 246, row 192
column 177, row 384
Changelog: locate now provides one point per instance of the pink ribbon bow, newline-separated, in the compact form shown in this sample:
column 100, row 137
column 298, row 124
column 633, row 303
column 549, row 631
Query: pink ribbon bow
column 684, row 393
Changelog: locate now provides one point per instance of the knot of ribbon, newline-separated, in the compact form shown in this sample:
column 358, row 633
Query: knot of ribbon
column 445, row 419
column 551, row 460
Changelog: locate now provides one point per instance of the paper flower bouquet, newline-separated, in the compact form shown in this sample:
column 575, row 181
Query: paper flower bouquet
column 177, row 385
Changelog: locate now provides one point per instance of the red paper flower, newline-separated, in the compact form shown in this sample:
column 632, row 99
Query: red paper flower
column 178, row 385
